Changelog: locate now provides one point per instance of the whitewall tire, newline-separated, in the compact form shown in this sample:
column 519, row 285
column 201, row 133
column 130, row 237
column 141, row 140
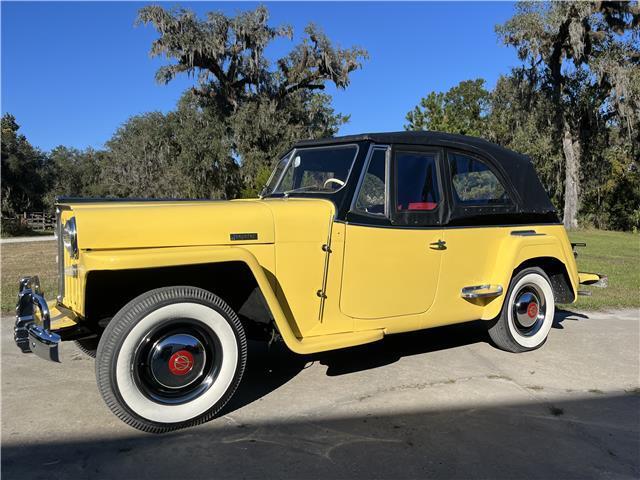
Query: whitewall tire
column 171, row 358
column 527, row 313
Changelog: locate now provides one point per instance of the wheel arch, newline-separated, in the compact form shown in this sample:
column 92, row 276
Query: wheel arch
column 234, row 274
column 556, row 270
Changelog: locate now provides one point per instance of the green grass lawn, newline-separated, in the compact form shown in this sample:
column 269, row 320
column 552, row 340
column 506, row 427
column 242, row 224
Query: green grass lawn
column 31, row 258
column 611, row 253
column 616, row 255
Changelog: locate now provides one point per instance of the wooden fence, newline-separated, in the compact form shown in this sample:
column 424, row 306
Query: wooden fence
column 37, row 221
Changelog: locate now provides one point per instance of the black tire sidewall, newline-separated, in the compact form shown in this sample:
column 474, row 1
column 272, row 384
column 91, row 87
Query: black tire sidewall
column 121, row 326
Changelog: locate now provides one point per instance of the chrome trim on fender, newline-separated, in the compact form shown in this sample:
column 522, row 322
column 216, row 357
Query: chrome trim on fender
column 70, row 238
column 481, row 291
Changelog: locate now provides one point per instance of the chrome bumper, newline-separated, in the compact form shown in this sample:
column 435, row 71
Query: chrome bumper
column 32, row 331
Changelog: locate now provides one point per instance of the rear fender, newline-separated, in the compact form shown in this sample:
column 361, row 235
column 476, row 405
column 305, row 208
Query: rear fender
column 519, row 251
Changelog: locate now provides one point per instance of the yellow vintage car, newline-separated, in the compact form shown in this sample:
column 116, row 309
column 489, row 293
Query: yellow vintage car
column 352, row 239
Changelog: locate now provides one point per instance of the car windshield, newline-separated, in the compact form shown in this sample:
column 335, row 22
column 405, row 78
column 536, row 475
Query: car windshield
column 323, row 169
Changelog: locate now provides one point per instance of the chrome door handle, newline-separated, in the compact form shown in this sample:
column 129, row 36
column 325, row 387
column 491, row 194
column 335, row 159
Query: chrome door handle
column 439, row 245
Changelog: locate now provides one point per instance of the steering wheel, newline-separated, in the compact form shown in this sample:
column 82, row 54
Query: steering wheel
column 333, row 180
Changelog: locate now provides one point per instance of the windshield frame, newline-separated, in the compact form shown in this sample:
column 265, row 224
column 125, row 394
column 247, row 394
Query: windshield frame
column 290, row 156
column 283, row 158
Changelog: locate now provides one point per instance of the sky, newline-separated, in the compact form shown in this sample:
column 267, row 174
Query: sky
column 73, row 72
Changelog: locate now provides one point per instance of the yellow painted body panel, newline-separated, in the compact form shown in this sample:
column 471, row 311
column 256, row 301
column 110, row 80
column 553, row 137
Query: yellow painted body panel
column 389, row 272
column 59, row 319
column 74, row 286
column 301, row 228
column 374, row 281
column 489, row 255
column 167, row 224
column 587, row 278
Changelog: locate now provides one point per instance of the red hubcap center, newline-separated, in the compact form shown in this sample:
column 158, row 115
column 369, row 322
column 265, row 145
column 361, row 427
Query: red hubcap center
column 181, row 362
column 532, row 310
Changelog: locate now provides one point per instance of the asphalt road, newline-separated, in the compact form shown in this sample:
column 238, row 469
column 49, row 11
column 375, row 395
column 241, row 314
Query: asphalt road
column 438, row 403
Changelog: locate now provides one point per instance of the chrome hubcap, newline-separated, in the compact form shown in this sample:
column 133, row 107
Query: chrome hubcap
column 529, row 309
column 177, row 361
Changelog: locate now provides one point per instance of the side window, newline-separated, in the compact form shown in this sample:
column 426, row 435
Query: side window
column 372, row 195
column 474, row 183
column 417, row 182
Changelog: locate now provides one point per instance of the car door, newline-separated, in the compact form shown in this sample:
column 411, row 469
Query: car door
column 393, row 242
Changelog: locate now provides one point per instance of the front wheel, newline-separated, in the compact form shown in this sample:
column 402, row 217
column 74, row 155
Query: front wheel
column 527, row 313
column 170, row 359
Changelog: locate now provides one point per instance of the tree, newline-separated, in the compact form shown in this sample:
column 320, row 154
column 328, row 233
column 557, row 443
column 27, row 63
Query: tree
column 262, row 130
column 22, row 179
column 521, row 118
column 73, row 172
column 261, row 104
column 463, row 109
column 520, row 115
column 181, row 154
column 559, row 40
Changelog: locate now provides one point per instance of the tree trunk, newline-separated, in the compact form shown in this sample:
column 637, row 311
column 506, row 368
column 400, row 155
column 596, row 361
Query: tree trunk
column 572, row 154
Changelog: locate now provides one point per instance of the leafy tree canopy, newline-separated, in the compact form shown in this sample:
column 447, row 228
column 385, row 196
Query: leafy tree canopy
column 22, row 179
column 586, row 56
column 261, row 105
column 462, row 109
column 226, row 54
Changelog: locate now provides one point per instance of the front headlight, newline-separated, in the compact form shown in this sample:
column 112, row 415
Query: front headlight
column 70, row 237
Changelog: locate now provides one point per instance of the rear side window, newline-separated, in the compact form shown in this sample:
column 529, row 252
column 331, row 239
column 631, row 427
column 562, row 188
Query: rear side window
column 417, row 182
column 474, row 183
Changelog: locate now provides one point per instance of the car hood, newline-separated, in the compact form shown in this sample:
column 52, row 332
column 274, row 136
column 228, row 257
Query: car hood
column 114, row 225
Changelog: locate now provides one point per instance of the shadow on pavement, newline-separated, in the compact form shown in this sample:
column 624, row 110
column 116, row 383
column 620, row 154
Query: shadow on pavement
column 563, row 315
column 394, row 347
column 583, row 438
column 269, row 369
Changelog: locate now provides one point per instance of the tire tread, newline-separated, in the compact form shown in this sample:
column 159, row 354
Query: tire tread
column 126, row 319
column 499, row 329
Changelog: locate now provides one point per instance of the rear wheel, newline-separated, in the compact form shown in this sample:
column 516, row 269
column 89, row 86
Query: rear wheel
column 170, row 359
column 527, row 313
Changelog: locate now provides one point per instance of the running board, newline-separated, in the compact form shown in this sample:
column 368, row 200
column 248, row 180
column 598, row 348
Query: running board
column 322, row 343
column 481, row 291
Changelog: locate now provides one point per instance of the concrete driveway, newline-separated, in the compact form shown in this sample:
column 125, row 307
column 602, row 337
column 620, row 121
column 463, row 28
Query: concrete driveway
column 438, row 403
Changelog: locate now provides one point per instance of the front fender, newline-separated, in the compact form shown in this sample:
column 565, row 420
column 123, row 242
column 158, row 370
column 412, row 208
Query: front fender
column 168, row 257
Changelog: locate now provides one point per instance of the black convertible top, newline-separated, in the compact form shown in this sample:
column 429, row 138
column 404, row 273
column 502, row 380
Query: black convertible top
column 517, row 168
